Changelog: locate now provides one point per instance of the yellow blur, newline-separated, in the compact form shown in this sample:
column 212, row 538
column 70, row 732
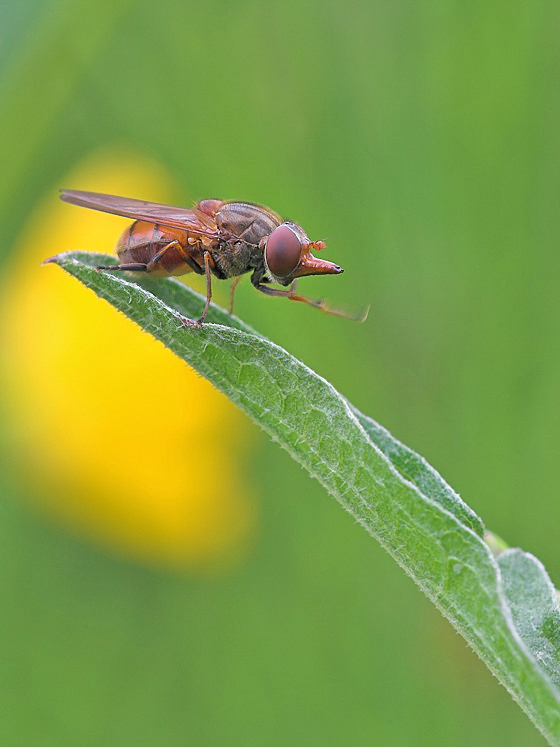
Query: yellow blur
column 111, row 432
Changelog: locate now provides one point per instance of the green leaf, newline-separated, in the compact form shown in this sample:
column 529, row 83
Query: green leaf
column 504, row 606
column 416, row 469
column 533, row 605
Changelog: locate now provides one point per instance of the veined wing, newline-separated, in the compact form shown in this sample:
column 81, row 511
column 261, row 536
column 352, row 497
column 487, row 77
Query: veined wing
column 153, row 212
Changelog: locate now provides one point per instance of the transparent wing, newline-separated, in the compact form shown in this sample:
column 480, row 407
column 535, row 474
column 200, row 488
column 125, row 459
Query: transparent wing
column 193, row 220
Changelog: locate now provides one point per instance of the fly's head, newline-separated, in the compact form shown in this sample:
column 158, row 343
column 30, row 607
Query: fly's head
column 288, row 255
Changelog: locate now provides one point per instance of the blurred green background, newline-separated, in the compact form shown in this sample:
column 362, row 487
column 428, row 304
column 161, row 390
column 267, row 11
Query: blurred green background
column 422, row 141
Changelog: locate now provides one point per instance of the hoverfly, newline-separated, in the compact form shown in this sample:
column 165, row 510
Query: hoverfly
column 225, row 239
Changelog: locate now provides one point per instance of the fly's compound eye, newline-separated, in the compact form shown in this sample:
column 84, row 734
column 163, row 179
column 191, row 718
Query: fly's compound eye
column 283, row 251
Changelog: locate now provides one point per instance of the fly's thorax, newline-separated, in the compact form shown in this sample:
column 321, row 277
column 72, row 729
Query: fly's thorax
column 249, row 222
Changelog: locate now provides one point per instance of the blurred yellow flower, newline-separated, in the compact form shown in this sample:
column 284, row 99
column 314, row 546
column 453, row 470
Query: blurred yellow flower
column 116, row 436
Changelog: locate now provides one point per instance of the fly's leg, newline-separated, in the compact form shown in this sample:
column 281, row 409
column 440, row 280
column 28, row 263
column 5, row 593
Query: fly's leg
column 158, row 256
column 152, row 264
column 180, row 249
column 320, row 304
column 232, row 292
column 238, row 278
column 208, row 262
column 130, row 267
column 139, row 266
column 246, row 230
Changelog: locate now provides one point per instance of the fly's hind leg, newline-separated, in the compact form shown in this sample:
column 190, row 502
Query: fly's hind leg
column 156, row 259
column 152, row 264
column 130, row 267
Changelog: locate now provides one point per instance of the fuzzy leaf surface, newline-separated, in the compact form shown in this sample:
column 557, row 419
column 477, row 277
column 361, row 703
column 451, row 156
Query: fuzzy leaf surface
column 506, row 608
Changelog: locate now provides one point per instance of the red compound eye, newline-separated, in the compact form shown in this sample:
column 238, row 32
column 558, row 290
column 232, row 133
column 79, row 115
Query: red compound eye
column 283, row 251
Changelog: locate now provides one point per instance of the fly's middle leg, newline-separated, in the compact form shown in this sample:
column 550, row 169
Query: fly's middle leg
column 232, row 293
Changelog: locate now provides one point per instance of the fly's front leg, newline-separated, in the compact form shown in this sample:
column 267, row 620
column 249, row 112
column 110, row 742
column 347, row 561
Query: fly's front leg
column 320, row 304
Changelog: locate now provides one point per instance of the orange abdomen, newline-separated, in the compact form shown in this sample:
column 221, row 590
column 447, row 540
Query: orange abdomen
column 143, row 241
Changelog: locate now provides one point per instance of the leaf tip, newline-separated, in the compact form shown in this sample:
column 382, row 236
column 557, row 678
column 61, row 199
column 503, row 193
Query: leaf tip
column 51, row 260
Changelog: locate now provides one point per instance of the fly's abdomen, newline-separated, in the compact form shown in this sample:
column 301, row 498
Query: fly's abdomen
column 167, row 249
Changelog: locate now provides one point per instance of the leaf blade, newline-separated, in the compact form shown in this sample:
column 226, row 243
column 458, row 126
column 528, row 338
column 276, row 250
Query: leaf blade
column 389, row 489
